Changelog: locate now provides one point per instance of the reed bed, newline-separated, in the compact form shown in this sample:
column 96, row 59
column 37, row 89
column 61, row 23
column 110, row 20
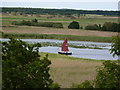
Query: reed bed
column 59, row 37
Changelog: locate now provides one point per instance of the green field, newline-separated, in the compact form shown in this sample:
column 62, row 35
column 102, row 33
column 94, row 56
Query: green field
column 83, row 21
column 66, row 70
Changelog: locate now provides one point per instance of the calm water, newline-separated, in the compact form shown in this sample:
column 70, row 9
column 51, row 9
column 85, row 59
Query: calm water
column 97, row 54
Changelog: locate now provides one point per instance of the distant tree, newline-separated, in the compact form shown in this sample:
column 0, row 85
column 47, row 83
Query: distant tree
column 109, row 26
column 93, row 27
column 22, row 66
column 74, row 25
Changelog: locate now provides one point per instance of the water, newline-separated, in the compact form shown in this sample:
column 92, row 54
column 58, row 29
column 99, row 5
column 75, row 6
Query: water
column 97, row 54
column 83, row 53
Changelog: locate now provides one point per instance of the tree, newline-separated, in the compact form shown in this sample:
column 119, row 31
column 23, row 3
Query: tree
column 115, row 48
column 93, row 27
column 74, row 25
column 108, row 75
column 109, row 26
column 22, row 66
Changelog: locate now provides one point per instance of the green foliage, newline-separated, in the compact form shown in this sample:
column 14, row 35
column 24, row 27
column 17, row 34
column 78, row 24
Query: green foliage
column 58, row 11
column 22, row 66
column 93, row 27
column 86, row 84
column 23, row 22
column 57, row 25
column 115, row 47
column 35, row 22
column 109, row 26
column 74, row 25
column 54, row 86
column 108, row 75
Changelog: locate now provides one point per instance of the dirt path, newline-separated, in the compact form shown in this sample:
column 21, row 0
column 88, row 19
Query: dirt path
column 43, row 30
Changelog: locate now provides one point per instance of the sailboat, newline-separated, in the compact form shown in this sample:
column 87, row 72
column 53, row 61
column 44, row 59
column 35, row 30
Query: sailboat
column 65, row 50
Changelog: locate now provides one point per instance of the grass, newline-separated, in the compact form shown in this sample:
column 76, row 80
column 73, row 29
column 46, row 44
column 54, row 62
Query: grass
column 7, row 19
column 67, row 70
column 60, row 37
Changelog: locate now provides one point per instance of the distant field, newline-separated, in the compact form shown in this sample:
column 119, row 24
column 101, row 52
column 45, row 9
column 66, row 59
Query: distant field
column 67, row 70
column 52, row 33
column 83, row 21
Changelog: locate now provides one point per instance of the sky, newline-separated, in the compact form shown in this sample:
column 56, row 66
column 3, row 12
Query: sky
column 66, row 4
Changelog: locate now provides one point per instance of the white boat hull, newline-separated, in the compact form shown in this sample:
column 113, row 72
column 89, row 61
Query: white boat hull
column 65, row 53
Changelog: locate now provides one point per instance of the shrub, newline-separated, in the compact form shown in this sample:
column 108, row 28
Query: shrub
column 35, row 20
column 57, row 25
column 86, row 84
column 109, row 26
column 23, row 22
column 54, row 86
column 93, row 27
column 22, row 66
column 74, row 25
column 108, row 75
column 115, row 47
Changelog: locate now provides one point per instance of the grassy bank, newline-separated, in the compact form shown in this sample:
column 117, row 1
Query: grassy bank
column 67, row 70
column 59, row 37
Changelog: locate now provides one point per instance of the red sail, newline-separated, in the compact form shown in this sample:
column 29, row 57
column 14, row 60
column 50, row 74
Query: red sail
column 65, row 45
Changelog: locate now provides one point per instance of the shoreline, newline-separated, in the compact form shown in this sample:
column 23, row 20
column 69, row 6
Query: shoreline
column 57, row 36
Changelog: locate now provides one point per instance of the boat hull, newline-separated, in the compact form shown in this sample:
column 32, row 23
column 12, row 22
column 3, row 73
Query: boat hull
column 65, row 53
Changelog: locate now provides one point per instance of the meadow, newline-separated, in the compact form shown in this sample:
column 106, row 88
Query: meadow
column 66, row 70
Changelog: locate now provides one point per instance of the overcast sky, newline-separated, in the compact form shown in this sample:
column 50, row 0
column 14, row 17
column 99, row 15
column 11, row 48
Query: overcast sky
column 69, row 4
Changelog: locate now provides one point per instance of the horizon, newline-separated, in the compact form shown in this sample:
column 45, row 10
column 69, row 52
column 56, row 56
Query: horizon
column 62, row 8
column 104, row 6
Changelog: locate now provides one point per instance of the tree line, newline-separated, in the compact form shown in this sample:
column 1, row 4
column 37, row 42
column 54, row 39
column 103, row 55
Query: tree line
column 35, row 22
column 58, row 11
column 107, row 26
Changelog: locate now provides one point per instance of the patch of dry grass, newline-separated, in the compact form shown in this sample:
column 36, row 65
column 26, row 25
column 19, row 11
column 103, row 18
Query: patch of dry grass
column 67, row 70
column 44, row 30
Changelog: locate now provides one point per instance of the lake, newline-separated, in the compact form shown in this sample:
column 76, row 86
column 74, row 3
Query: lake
column 98, row 54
